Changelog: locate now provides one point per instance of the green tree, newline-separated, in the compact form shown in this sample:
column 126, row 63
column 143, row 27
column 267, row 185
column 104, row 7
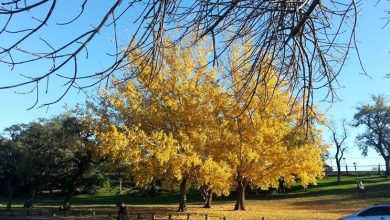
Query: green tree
column 76, row 147
column 375, row 118
column 9, row 158
column 36, row 163
column 47, row 152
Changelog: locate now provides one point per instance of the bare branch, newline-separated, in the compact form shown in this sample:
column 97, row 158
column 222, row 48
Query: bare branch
column 308, row 41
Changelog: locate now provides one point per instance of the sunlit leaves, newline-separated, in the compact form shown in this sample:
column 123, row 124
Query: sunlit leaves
column 193, row 121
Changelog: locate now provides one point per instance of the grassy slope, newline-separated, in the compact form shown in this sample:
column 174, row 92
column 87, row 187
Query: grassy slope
column 327, row 200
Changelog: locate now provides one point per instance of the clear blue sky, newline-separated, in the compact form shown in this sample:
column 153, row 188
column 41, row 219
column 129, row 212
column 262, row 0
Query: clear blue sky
column 373, row 45
column 374, row 49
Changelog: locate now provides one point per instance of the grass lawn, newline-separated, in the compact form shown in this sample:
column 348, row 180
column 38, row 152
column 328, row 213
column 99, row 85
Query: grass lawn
column 327, row 200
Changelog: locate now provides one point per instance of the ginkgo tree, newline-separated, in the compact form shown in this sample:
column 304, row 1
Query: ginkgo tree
column 192, row 123
column 164, row 127
column 264, row 139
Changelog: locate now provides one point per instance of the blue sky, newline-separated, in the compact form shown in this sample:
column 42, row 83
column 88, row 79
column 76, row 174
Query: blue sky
column 355, row 88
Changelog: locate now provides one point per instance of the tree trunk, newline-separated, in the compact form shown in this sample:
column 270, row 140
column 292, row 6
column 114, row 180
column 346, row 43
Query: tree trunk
column 240, row 203
column 183, row 196
column 68, row 199
column 10, row 194
column 207, row 195
column 209, row 199
column 387, row 162
column 281, row 188
column 153, row 188
column 29, row 201
column 83, row 165
column 338, row 170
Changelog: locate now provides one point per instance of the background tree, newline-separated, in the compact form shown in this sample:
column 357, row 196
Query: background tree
column 29, row 164
column 338, row 141
column 44, row 153
column 9, row 156
column 76, row 141
column 42, row 158
column 375, row 118
column 299, row 36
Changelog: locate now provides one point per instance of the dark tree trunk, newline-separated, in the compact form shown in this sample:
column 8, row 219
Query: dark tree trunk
column 387, row 162
column 83, row 165
column 68, row 199
column 183, row 195
column 10, row 195
column 29, row 201
column 339, row 141
column 240, row 203
column 153, row 189
column 281, row 188
column 338, row 170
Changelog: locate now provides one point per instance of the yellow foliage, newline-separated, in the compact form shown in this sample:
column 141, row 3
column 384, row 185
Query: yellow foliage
column 264, row 139
column 185, row 123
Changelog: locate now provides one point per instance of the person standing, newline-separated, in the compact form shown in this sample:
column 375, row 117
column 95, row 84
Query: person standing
column 122, row 212
column 361, row 187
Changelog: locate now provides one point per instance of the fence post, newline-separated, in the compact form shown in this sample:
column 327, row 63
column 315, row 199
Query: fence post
column 93, row 214
column 188, row 216
column 153, row 216
column 206, row 217
column 224, row 218
column 262, row 218
column 170, row 216
column 138, row 215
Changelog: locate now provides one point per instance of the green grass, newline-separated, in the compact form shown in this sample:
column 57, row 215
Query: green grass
column 329, row 198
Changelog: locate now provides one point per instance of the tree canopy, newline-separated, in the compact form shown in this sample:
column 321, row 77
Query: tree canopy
column 46, row 153
column 190, row 125
column 375, row 118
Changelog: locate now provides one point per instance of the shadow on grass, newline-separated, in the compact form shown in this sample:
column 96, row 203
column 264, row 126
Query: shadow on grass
column 376, row 186
column 110, row 200
column 327, row 190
